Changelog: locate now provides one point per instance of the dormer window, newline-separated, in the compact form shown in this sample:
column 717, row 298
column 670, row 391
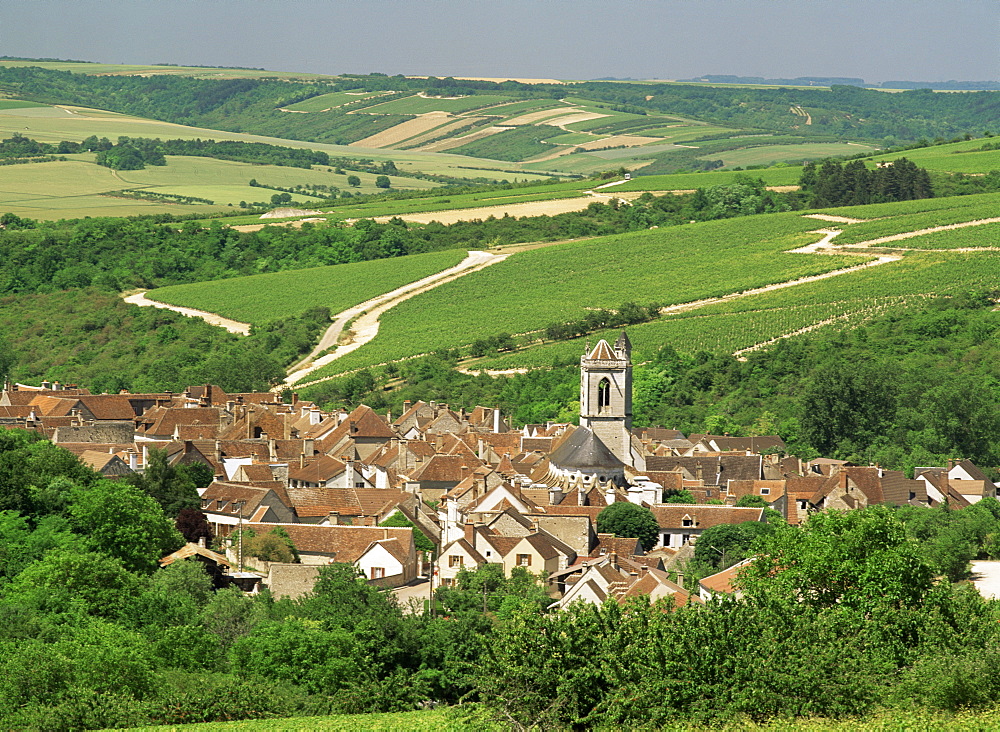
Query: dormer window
column 687, row 521
column 765, row 491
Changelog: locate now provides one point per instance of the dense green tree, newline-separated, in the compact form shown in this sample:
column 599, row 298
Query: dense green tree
column 353, row 181
column 858, row 559
column 629, row 520
column 170, row 485
column 382, row 181
column 122, row 521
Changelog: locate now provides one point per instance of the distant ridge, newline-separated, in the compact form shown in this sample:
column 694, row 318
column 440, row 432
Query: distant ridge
column 844, row 80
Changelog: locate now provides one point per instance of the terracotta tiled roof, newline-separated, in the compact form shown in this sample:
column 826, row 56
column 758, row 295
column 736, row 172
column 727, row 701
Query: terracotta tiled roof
column 345, row 543
column 602, row 352
column 108, row 406
column 671, row 515
column 723, row 581
column 318, row 469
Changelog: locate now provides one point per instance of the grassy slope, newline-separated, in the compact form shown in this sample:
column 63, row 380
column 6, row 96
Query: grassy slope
column 445, row 721
column 537, row 287
column 262, row 298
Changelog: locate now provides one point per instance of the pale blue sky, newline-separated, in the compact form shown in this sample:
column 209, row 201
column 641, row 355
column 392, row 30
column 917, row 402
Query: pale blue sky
column 932, row 40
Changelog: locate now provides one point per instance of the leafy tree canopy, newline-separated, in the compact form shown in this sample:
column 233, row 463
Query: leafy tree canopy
column 629, row 520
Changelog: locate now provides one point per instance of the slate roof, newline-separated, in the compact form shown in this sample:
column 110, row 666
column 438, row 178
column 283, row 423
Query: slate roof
column 584, row 451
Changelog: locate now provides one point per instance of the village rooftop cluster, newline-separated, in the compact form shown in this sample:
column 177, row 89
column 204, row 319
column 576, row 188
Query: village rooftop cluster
column 482, row 491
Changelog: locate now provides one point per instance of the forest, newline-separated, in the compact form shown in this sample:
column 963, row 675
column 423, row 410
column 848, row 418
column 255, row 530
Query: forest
column 80, row 593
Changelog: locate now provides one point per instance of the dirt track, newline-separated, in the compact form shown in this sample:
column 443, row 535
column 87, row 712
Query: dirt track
column 365, row 316
column 233, row 326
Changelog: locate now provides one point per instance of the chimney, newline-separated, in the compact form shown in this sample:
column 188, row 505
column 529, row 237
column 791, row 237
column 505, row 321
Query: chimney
column 201, row 541
column 295, row 398
column 680, row 579
column 315, row 416
column 309, row 446
column 348, row 472
column 145, row 456
column 406, row 405
column 613, row 560
column 496, row 419
column 470, row 532
column 353, row 427
column 302, row 460
column 388, row 417
column 555, row 495
column 334, row 518
column 272, row 450
column 133, row 460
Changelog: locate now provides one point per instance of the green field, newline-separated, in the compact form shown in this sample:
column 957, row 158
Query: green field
column 557, row 283
column 787, row 176
column 421, row 105
column 957, row 157
column 73, row 188
column 984, row 207
column 263, row 298
column 978, row 237
column 330, row 101
column 744, row 322
column 53, row 124
column 768, row 154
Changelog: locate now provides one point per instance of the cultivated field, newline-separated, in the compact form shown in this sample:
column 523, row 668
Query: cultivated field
column 419, row 104
column 259, row 299
column 768, row 154
column 556, row 283
column 330, row 101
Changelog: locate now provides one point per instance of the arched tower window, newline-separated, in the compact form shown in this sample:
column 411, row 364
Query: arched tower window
column 603, row 394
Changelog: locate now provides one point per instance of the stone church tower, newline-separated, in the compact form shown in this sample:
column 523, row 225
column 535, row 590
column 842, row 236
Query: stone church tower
column 606, row 395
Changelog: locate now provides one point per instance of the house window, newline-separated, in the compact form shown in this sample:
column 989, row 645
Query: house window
column 523, row 560
column 378, row 572
column 603, row 394
column 765, row 491
column 447, row 582
column 685, row 538
column 687, row 521
column 455, row 561
column 803, row 504
column 359, row 484
column 912, row 495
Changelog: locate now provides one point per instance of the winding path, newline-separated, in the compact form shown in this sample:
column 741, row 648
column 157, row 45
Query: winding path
column 361, row 322
column 233, row 326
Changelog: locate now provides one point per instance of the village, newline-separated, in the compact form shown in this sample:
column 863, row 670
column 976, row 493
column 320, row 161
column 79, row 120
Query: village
column 357, row 487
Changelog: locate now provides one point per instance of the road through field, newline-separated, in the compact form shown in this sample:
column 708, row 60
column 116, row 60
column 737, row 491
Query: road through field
column 233, row 326
column 362, row 321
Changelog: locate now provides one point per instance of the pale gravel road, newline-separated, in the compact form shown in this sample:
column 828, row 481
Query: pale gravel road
column 986, row 578
column 233, row 326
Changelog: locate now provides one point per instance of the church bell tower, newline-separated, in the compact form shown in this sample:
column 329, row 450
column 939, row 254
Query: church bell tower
column 606, row 395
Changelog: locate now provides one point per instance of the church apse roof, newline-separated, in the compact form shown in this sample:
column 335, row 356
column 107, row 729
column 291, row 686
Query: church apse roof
column 585, row 451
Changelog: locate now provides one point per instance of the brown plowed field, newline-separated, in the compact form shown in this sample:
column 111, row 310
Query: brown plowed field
column 405, row 130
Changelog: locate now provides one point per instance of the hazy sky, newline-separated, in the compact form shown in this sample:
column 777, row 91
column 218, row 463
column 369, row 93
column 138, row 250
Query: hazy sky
column 925, row 40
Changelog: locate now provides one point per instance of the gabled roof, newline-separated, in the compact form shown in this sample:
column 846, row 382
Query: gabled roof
column 345, row 543
column 319, row 469
column 584, row 451
column 467, row 548
column 723, row 581
column 671, row 515
column 190, row 550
